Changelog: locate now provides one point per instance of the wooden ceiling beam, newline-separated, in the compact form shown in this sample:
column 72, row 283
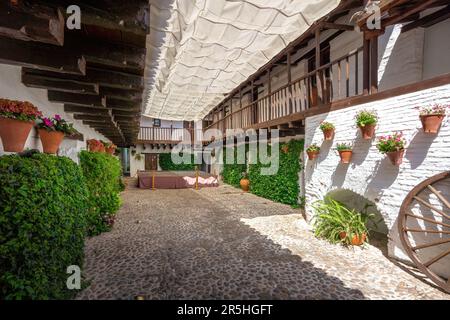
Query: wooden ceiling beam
column 40, row 56
column 429, row 20
column 31, row 23
column 91, row 117
column 76, row 99
column 86, row 110
column 36, row 81
column 121, row 94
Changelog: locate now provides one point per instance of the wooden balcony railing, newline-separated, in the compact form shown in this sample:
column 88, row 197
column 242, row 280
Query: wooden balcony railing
column 339, row 79
column 163, row 134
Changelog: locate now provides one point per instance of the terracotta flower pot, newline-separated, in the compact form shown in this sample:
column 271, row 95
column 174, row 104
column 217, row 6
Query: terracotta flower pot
column 14, row 134
column 245, row 184
column 368, row 131
column 312, row 154
column 51, row 140
column 346, row 156
column 396, row 157
column 328, row 134
column 110, row 150
column 357, row 240
column 431, row 123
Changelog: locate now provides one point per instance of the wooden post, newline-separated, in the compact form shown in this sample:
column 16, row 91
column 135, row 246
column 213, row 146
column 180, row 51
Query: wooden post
column 374, row 65
column 366, row 65
column 196, row 177
column 270, row 94
column 289, row 74
column 153, row 180
column 240, row 108
column 318, row 64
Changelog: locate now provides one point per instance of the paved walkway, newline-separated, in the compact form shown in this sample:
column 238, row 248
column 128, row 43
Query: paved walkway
column 217, row 243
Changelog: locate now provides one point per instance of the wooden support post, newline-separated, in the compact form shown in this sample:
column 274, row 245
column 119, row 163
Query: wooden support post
column 196, row 177
column 269, row 88
column 374, row 65
column 153, row 180
column 318, row 64
column 289, row 74
column 366, row 65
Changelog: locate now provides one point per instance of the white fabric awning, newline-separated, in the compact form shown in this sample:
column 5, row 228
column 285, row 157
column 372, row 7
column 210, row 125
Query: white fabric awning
column 200, row 50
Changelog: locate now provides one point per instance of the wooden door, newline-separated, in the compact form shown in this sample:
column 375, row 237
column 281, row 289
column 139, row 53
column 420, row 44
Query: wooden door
column 151, row 162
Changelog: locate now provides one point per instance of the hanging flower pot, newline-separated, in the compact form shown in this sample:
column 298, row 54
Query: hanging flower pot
column 393, row 146
column 345, row 152
column 313, row 151
column 51, row 140
column 431, row 123
column 396, row 157
column 245, row 183
column 52, row 131
column 432, row 116
column 328, row 130
column 367, row 120
column 14, row 134
column 16, row 121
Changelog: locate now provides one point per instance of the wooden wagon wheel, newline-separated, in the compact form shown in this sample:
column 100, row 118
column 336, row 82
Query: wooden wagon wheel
column 424, row 227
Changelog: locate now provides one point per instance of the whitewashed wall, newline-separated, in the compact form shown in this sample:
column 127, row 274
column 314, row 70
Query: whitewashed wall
column 370, row 174
column 11, row 87
column 136, row 165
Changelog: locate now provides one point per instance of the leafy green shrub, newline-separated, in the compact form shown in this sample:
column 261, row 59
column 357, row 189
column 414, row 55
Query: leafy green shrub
column 166, row 163
column 282, row 187
column 232, row 173
column 336, row 223
column 102, row 173
column 44, row 204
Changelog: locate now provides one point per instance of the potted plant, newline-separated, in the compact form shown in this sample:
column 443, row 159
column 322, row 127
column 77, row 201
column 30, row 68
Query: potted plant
column 345, row 152
column 432, row 116
column 51, row 132
column 367, row 120
column 338, row 224
column 393, row 146
column 245, row 182
column 327, row 129
column 313, row 151
column 16, row 120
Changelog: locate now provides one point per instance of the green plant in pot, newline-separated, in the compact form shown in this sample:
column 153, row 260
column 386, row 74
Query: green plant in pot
column 338, row 224
column 327, row 129
column 367, row 120
column 16, row 121
column 345, row 152
column 393, row 146
column 313, row 151
column 51, row 132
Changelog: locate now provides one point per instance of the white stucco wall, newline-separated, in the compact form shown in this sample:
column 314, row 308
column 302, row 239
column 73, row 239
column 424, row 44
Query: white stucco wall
column 370, row 174
column 136, row 165
column 11, row 87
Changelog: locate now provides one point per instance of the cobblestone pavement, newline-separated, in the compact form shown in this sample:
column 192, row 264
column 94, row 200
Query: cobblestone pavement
column 218, row 243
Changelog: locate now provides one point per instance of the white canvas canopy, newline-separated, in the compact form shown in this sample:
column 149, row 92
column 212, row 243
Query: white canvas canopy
column 199, row 50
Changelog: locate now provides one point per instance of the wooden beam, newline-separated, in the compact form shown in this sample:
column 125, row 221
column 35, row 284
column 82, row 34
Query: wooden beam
column 32, row 23
column 77, row 99
column 36, row 81
column 338, row 26
column 86, row 110
column 121, row 94
column 40, row 56
column 91, row 117
column 429, row 20
column 408, row 12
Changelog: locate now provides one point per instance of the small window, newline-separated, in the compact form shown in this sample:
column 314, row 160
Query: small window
column 157, row 122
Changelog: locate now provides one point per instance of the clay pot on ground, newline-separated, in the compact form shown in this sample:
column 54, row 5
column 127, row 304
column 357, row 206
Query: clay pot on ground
column 328, row 134
column 51, row 140
column 396, row 157
column 245, row 184
column 346, row 156
column 431, row 123
column 368, row 131
column 358, row 240
column 14, row 134
column 312, row 154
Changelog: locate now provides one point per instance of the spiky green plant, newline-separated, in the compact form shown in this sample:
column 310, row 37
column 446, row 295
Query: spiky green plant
column 333, row 219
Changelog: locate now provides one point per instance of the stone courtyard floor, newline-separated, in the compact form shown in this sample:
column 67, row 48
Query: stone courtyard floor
column 218, row 243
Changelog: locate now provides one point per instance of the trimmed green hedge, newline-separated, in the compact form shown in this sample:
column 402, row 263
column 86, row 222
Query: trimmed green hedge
column 102, row 173
column 232, row 173
column 44, row 205
column 166, row 163
column 282, row 187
